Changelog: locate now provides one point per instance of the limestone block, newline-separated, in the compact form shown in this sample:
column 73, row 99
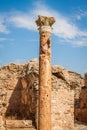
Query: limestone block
column 18, row 123
column 62, row 108
column 1, row 121
column 83, row 98
column 85, row 79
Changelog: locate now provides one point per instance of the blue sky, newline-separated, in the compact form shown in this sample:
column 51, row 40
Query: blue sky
column 19, row 37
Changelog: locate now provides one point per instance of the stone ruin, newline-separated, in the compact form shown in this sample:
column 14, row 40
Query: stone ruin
column 27, row 100
column 19, row 97
column 81, row 111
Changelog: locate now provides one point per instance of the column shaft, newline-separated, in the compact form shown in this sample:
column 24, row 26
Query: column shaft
column 44, row 113
column 45, row 82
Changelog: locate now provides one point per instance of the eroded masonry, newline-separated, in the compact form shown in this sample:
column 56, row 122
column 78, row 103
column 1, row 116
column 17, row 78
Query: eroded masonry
column 19, row 93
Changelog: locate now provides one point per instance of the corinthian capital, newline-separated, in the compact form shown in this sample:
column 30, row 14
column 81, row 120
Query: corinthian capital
column 45, row 21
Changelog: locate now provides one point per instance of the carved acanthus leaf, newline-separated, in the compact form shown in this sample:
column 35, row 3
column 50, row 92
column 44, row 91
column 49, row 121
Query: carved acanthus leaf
column 45, row 21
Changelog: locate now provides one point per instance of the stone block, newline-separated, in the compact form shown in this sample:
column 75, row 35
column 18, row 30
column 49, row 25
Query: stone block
column 18, row 123
column 1, row 121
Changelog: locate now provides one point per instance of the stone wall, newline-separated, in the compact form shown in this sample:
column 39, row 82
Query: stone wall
column 62, row 102
column 81, row 112
column 19, row 94
column 85, row 79
column 62, row 108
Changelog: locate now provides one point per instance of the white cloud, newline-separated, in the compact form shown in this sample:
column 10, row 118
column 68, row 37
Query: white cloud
column 2, row 39
column 80, row 14
column 6, row 39
column 81, row 42
column 23, row 21
column 20, row 61
column 3, row 28
column 63, row 27
column 78, row 17
column 76, row 42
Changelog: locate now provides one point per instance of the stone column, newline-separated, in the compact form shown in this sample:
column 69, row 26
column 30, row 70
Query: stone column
column 44, row 114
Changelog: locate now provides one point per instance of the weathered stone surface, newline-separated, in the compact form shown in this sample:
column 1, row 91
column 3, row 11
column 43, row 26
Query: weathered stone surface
column 44, row 103
column 20, row 102
column 18, row 123
column 43, row 20
column 21, row 128
column 63, row 116
column 83, row 98
column 81, row 112
column 1, row 121
column 86, row 79
column 81, row 115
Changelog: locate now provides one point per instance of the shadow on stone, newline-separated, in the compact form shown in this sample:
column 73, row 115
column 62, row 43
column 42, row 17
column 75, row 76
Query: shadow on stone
column 81, row 108
column 18, row 107
column 13, row 109
column 22, row 101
